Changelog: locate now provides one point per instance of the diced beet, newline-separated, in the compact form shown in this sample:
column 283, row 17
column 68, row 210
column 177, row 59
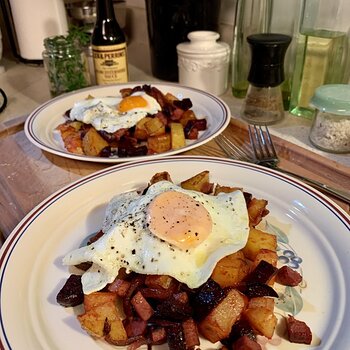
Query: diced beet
column 245, row 343
column 298, row 331
column 239, row 329
column 262, row 272
column 288, row 276
column 184, row 104
column 175, row 337
column 206, row 298
column 173, row 309
column 253, row 290
column 71, row 293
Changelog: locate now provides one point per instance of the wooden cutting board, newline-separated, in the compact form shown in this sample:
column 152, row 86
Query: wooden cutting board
column 28, row 175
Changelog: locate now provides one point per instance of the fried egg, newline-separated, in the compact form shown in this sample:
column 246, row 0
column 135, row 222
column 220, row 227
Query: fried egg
column 166, row 231
column 112, row 113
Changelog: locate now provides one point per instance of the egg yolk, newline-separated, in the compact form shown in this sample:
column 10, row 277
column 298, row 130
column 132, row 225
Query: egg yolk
column 179, row 219
column 131, row 102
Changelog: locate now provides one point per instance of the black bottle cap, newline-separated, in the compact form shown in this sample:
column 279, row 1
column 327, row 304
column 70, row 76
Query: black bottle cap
column 268, row 51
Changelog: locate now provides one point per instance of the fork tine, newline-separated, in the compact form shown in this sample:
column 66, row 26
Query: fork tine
column 263, row 147
column 231, row 149
column 272, row 147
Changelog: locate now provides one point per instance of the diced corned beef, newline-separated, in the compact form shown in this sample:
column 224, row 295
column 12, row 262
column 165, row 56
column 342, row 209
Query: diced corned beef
column 119, row 286
column 298, row 331
column 182, row 297
column 245, row 343
column 191, row 333
column 158, row 336
column 288, row 277
column 142, row 307
column 177, row 114
column 134, row 327
column 156, row 293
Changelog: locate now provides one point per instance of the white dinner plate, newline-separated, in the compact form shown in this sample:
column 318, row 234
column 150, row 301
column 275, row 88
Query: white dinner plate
column 313, row 236
column 41, row 123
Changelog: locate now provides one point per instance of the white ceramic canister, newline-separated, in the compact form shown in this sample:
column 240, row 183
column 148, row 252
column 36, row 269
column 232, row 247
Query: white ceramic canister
column 203, row 62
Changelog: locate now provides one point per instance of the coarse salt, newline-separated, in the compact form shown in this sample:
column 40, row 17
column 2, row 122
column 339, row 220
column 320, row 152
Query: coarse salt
column 331, row 132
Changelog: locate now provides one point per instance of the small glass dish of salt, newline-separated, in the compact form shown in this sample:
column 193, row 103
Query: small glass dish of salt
column 330, row 130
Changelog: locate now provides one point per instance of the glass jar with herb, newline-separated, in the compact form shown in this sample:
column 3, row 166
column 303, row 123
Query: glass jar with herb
column 66, row 64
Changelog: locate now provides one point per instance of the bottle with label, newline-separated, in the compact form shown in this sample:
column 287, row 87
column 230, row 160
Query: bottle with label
column 323, row 53
column 108, row 46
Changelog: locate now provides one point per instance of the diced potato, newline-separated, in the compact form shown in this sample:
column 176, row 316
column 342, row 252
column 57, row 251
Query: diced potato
column 187, row 116
column 257, row 210
column 258, row 240
column 262, row 320
column 170, row 97
column 154, row 127
column 177, row 136
column 163, row 176
column 140, row 129
column 217, row 325
column 157, row 281
column 93, row 143
column 231, row 270
column 98, row 298
column 104, row 320
column 76, row 125
column 265, row 302
column 266, row 254
column 159, row 144
column 225, row 189
column 199, row 182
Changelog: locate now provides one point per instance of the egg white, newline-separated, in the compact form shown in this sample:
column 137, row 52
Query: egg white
column 128, row 242
column 102, row 112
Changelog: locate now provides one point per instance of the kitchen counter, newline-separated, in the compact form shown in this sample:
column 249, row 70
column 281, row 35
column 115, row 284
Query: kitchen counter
column 27, row 87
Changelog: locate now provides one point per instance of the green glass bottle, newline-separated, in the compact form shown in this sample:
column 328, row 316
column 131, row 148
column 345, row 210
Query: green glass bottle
column 108, row 46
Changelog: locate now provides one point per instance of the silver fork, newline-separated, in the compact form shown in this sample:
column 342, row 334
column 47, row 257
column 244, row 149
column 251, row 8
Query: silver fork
column 264, row 154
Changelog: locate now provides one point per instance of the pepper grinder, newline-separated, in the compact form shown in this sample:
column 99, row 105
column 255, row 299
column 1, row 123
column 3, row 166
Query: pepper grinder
column 263, row 104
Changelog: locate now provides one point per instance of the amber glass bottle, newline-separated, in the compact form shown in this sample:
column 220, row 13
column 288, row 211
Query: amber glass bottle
column 108, row 46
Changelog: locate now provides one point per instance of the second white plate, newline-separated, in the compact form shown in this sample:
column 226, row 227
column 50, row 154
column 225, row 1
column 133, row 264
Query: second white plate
column 41, row 123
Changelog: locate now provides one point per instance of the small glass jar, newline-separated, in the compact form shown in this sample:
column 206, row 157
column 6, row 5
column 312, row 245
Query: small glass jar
column 330, row 130
column 203, row 62
column 66, row 65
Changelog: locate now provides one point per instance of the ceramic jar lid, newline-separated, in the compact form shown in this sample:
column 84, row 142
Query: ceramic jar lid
column 203, row 42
